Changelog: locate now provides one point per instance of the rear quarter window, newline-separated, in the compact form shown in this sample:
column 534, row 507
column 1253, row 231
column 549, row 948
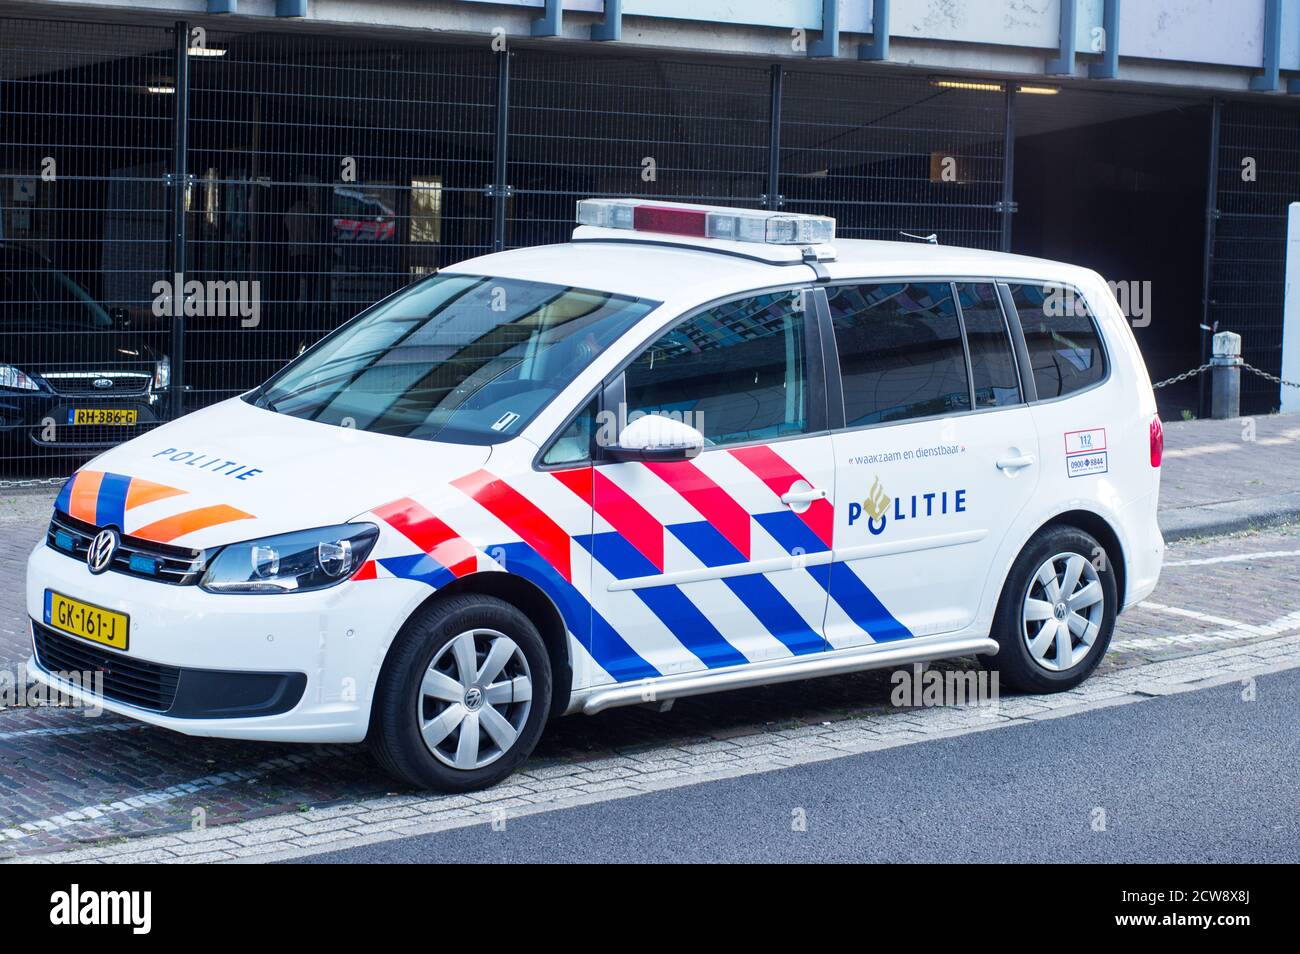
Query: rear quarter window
column 1065, row 349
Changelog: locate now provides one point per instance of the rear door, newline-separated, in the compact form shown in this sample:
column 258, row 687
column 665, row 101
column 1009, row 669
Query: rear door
column 712, row 562
column 936, row 456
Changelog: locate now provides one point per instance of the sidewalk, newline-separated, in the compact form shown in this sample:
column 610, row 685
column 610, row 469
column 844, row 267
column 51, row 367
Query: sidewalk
column 1223, row 476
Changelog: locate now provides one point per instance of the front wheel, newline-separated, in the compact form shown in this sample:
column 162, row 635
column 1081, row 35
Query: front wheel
column 463, row 695
column 1057, row 612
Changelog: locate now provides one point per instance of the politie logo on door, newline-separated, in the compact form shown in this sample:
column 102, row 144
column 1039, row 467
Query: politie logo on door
column 1085, row 452
column 919, row 506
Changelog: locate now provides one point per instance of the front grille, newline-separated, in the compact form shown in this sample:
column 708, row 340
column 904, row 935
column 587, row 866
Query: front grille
column 135, row 557
column 82, row 383
column 133, row 681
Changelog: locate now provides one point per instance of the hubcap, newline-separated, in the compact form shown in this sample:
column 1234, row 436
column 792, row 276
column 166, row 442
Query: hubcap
column 1063, row 611
column 474, row 699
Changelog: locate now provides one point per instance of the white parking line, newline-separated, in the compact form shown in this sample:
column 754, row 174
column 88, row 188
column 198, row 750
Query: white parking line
column 1235, row 558
column 1191, row 614
column 1283, row 624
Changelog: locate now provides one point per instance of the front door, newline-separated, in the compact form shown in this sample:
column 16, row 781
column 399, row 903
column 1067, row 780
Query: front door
column 712, row 562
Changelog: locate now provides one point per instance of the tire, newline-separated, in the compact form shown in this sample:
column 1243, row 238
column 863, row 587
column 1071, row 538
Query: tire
column 421, row 693
column 1032, row 660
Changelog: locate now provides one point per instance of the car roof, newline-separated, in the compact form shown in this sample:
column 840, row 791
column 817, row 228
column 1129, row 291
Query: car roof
column 682, row 269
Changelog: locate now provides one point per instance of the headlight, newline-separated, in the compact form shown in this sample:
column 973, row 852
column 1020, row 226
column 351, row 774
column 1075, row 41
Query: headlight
column 291, row 562
column 11, row 377
column 162, row 373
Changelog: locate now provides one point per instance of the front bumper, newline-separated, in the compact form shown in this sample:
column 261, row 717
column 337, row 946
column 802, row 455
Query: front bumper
column 304, row 663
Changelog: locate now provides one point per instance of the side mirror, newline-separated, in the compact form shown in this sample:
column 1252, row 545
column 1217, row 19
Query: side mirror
column 657, row 438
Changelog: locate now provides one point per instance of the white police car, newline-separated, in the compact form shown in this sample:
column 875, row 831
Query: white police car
column 693, row 449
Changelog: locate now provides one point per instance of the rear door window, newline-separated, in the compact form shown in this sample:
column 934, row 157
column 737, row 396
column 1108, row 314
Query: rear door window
column 993, row 365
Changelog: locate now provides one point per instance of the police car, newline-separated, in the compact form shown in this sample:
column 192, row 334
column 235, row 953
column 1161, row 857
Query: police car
column 693, row 449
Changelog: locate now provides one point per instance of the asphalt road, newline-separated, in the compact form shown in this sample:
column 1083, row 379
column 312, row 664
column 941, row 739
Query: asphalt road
column 1198, row 777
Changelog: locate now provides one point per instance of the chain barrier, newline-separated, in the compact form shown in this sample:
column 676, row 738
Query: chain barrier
column 32, row 483
column 1244, row 365
column 1181, row 377
column 1270, row 377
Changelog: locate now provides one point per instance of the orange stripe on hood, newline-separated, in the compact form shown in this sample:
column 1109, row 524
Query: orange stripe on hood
column 85, row 495
column 142, row 492
column 169, row 528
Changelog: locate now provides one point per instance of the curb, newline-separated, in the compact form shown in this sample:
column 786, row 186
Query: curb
column 1229, row 516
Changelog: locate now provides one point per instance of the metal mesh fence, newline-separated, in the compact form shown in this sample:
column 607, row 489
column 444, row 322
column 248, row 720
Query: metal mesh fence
column 1248, row 268
column 886, row 155
column 85, row 145
column 329, row 174
column 618, row 126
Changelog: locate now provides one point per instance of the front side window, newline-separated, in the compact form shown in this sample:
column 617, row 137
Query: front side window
column 734, row 372
column 463, row 358
column 1064, row 345
column 992, row 364
column 900, row 350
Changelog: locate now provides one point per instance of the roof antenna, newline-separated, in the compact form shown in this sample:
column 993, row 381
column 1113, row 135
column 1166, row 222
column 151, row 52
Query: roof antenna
column 932, row 238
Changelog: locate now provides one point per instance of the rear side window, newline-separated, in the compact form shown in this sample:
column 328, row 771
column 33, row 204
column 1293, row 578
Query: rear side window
column 1065, row 349
column 734, row 372
column 993, row 366
column 900, row 350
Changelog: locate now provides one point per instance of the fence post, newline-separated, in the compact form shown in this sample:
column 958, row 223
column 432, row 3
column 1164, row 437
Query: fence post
column 772, row 200
column 1225, row 369
column 1007, row 205
column 499, row 191
column 1207, row 253
column 179, row 180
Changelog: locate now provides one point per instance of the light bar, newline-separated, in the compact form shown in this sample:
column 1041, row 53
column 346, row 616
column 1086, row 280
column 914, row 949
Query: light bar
column 707, row 221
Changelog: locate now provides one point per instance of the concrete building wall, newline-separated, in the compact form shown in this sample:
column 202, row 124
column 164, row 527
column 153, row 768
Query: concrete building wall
column 1214, row 44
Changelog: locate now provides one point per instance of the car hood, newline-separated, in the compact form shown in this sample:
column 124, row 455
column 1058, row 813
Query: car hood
column 234, row 472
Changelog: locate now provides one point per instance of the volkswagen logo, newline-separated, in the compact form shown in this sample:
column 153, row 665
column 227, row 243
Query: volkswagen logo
column 473, row 698
column 103, row 383
column 102, row 548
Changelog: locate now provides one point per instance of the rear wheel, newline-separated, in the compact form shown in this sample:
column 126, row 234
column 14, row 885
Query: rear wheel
column 463, row 695
column 1057, row 612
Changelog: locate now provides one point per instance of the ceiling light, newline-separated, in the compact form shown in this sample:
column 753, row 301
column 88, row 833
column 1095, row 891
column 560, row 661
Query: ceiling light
column 982, row 86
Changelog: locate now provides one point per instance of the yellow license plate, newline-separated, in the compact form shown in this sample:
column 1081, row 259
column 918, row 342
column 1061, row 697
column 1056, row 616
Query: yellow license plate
column 99, row 625
column 121, row 416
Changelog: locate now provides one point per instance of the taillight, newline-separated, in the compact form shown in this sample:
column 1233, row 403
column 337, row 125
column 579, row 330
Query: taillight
column 1157, row 441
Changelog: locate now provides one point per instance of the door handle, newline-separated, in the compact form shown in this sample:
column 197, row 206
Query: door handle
column 1015, row 463
column 792, row 497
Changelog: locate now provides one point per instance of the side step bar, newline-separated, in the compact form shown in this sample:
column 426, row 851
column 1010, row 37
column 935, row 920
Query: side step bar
column 784, row 670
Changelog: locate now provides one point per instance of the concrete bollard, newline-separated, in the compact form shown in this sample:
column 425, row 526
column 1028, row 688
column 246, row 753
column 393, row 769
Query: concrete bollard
column 1225, row 376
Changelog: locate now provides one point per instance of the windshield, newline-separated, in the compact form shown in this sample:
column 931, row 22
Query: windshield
column 463, row 358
